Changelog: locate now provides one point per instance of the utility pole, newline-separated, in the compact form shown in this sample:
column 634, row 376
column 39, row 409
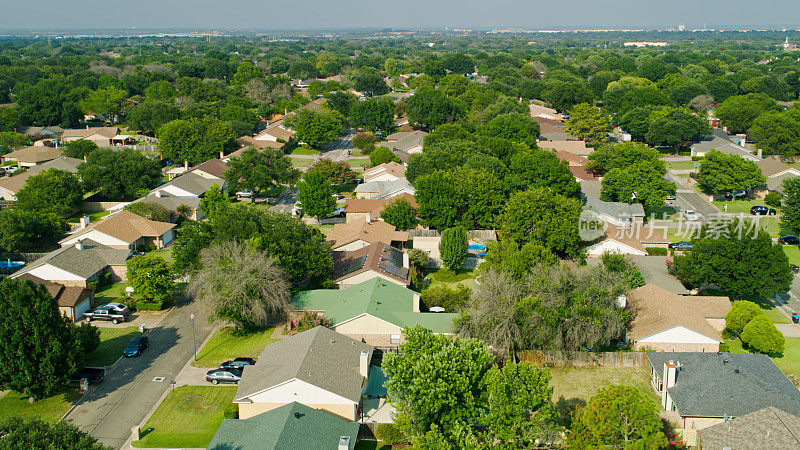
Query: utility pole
column 194, row 342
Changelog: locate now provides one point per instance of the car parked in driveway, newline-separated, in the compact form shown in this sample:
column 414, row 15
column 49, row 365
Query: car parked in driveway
column 110, row 312
column 740, row 193
column 681, row 246
column 762, row 211
column 691, row 216
column 92, row 375
column 237, row 363
column 789, row 240
column 217, row 376
column 136, row 346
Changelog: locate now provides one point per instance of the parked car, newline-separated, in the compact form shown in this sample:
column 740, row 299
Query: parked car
column 681, row 246
column 237, row 363
column 670, row 197
column 739, row 193
column 117, row 307
column 216, row 376
column 245, row 193
column 11, row 169
column 136, row 346
column 107, row 312
column 691, row 216
column 92, row 374
column 789, row 240
column 337, row 196
column 762, row 211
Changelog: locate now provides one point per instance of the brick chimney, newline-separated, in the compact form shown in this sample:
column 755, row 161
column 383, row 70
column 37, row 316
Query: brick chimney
column 669, row 376
column 363, row 363
column 85, row 221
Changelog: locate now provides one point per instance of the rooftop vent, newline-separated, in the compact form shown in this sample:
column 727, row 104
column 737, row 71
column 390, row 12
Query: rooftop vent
column 344, row 443
column 297, row 415
column 79, row 245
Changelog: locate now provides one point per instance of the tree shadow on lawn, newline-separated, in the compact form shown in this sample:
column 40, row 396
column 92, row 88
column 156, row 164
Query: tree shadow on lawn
column 565, row 408
column 233, row 334
column 109, row 350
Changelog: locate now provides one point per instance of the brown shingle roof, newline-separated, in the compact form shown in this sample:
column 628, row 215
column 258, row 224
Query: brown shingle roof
column 66, row 296
column 374, row 206
column 770, row 167
column 370, row 232
column 582, row 173
column 572, row 158
column 278, row 132
column 766, row 428
column 127, row 226
column 576, row 147
column 247, row 141
column 393, row 168
column 83, row 133
column 34, row 155
column 658, row 309
column 377, row 257
column 214, row 167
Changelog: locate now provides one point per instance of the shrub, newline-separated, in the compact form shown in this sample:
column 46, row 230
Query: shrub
column 453, row 247
column 362, row 141
column 89, row 338
column 382, row 155
column 390, row 434
column 741, row 314
column 656, row 251
column 418, row 257
column 142, row 305
column 309, row 320
column 231, row 411
column 773, row 199
column 762, row 335
column 449, row 299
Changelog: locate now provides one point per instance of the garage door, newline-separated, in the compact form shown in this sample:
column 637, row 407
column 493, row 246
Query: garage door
column 81, row 308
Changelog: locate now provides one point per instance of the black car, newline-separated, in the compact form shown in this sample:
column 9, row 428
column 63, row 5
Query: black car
column 762, row 211
column 136, row 346
column 216, row 376
column 237, row 363
column 92, row 374
column 789, row 240
column 681, row 246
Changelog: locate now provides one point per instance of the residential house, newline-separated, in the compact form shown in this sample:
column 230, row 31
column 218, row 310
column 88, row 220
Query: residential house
column 720, row 141
column 373, row 311
column 375, row 260
column 666, row 321
column 53, row 132
column 78, row 264
column 355, row 235
column 190, row 184
column 275, row 133
column 72, row 301
column 173, row 203
column 248, row 141
column 614, row 213
column 626, row 240
column 775, row 172
column 213, row 169
column 11, row 185
column 574, row 147
column 577, row 165
column 409, row 142
column 706, row 389
column 543, row 112
column 390, row 171
column 384, row 189
column 291, row 426
column 125, row 230
column 102, row 136
column 547, row 126
column 319, row 368
column 362, row 209
column 32, row 156
column 654, row 271
column 766, row 428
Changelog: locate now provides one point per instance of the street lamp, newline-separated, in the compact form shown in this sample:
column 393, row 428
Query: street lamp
column 194, row 342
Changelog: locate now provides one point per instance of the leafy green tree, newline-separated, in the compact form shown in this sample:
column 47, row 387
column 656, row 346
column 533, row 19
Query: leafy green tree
column 119, row 174
column 374, row 114
column 639, row 183
column 151, row 116
column 151, row 211
column 541, row 168
column 382, row 155
column 371, row 84
column 257, row 170
column 514, row 127
column 10, row 141
column 722, row 173
column 9, row 118
column 278, row 65
column 38, row 367
column 314, row 192
column 23, row 231
column 430, row 108
column 244, row 121
column 341, row 101
column 36, row 433
column 517, row 261
column 400, row 213
column 741, row 313
column 338, row 172
column 459, row 63
column 105, row 101
column 80, row 148
column 628, row 93
column 151, row 278
column 195, row 140
column 539, row 215
column 240, row 284
column 462, row 196
column 790, row 214
column 245, row 72
column 48, row 102
column 738, row 112
column 453, row 247
column 777, row 133
column 617, row 416
column 436, row 382
column 52, row 191
column 364, row 142
column 741, row 261
column 675, row 128
column 622, row 155
column 301, row 70
column 520, row 413
column 316, row 128
column 589, row 123
column 761, row 335
column 563, row 95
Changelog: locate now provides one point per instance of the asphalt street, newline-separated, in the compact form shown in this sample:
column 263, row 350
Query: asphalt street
column 131, row 390
column 689, row 198
column 339, row 150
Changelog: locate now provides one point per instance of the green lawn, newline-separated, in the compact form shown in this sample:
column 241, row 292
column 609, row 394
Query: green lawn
column 111, row 293
column 450, row 278
column 188, row 417
column 770, row 310
column 301, row 162
column 372, row 445
column 358, row 162
column 94, row 216
column 112, row 341
column 573, row 386
column 49, row 409
column 774, row 227
column 680, row 165
column 304, row 151
column 662, row 212
column 739, row 206
column 226, row 344
column 165, row 253
column 788, row 362
column 793, row 253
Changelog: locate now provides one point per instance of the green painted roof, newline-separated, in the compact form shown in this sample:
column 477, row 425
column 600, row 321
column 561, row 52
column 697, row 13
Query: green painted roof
column 281, row 429
column 376, row 297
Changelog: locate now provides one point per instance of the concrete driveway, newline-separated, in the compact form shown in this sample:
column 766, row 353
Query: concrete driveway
column 135, row 385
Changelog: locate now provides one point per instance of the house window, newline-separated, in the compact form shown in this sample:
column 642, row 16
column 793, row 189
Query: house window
column 394, row 339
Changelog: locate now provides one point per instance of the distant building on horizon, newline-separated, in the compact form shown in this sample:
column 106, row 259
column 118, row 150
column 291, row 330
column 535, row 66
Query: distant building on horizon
column 787, row 46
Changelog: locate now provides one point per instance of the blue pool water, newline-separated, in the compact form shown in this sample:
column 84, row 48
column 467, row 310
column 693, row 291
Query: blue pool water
column 477, row 247
column 11, row 264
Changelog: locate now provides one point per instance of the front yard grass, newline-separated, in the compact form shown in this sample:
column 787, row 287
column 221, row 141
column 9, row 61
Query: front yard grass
column 680, row 165
column 112, row 341
column 793, row 253
column 187, row 418
column 112, row 293
column 301, row 162
column 573, row 386
column 304, row 151
column 227, row 344
column 788, row 362
column 358, row 162
column 94, row 216
column 165, row 253
column 739, row 206
column 48, row 409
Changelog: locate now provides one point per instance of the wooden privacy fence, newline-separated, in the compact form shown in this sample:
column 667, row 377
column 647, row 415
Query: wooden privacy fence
column 583, row 359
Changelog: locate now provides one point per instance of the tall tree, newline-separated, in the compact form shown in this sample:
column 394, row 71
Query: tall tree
column 589, row 123
column 257, row 170
column 721, row 173
column 462, row 196
column 371, row 84
column 36, row 433
column 626, row 154
column 541, row 168
column 195, row 140
column 48, row 102
column 315, row 194
column 430, row 108
column 119, row 174
column 151, row 278
column 316, row 128
column 78, row 149
column 541, row 215
column 52, row 191
column 453, row 247
column 639, row 183
column 374, row 114
column 790, row 213
column 400, row 213
column 777, row 133
column 106, row 101
column 338, row 172
column 738, row 112
column 24, row 231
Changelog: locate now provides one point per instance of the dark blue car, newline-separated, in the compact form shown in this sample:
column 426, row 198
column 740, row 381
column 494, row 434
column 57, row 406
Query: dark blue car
column 136, row 346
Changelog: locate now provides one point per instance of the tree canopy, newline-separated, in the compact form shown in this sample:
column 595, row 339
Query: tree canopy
column 119, row 174
column 52, row 191
column 720, row 172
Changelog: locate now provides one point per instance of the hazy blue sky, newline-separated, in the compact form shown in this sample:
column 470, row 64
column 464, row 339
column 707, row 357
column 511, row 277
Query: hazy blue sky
column 305, row 14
